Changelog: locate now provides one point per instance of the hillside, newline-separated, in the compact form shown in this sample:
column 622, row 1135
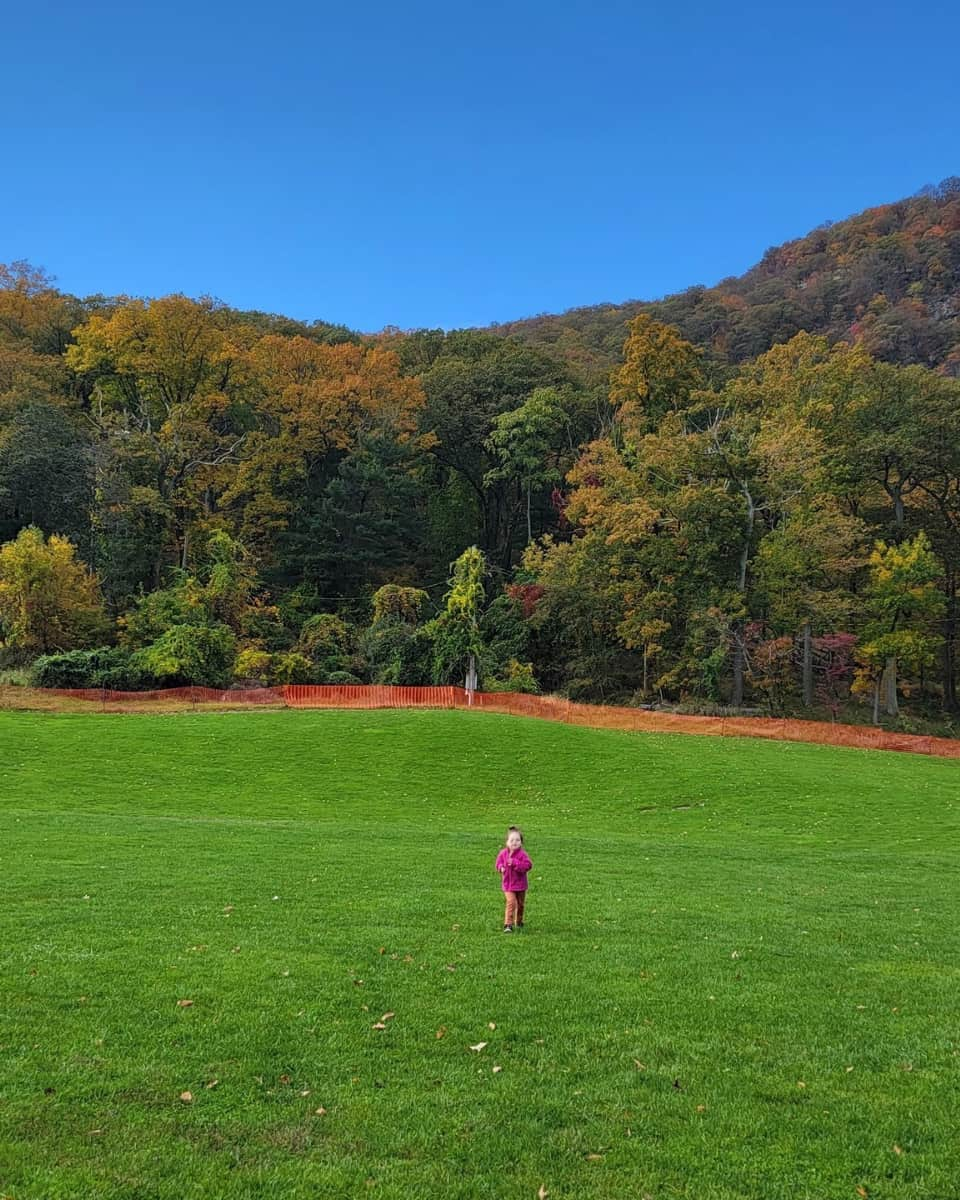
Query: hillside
column 889, row 275
column 244, row 496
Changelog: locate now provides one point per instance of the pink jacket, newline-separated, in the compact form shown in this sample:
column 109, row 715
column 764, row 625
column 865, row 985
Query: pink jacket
column 513, row 867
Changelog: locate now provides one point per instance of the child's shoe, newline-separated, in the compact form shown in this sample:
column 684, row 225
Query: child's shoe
column 508, row 929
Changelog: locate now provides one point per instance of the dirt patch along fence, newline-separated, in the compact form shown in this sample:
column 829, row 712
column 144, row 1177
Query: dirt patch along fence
column 185, row 695
column 550, row 708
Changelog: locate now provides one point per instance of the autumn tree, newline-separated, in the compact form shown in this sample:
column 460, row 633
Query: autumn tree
column 470, row 379
column 224, row 590
column 49, row 600
column 903, row 604
column 396, row 645
column 529, row 442
column 324, row 479
column 455, row 631
column 659, row 373
column 36, row 321
column 576, row 615
column 46, row 473
column 169, row 403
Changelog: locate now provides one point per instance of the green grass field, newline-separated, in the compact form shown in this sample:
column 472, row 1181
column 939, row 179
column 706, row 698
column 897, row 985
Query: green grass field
column 740, row 976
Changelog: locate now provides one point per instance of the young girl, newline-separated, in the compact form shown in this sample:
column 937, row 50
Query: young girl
column 513, row 865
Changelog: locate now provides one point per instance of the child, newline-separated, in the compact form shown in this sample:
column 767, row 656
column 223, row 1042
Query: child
column 513, row 865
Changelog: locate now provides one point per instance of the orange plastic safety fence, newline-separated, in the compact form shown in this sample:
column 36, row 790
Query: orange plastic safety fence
column 298, row 695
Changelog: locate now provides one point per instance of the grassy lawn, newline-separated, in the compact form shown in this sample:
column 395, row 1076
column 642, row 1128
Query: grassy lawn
column 740, row 976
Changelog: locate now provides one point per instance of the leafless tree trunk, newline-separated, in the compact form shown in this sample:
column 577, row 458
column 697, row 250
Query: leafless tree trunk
column 736, row 696
column 889, row 683
column 949, row 647
column 807, row 665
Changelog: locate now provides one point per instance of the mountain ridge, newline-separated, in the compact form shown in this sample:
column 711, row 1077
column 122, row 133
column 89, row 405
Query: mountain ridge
column 889, row 275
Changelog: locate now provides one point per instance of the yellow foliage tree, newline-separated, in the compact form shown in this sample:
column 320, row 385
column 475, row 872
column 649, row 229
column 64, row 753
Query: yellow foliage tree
column 314, row 404
column 49, row 600
column 659, row 373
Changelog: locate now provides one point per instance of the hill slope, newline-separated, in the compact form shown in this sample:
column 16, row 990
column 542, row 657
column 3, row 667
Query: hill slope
column 889, row 275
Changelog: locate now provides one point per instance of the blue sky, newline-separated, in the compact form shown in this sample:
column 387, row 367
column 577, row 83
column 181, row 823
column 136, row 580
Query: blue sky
column 433, row 164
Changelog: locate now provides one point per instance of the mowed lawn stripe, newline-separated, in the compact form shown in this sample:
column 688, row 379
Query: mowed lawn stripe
column 740, row 976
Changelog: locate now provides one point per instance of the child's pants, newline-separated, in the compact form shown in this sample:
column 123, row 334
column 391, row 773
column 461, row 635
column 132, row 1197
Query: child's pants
column 514, row 912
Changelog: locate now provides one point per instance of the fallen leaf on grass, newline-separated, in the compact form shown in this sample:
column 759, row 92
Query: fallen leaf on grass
column 491, row 1024
column 320, row 1112
column 387, row 1016
column 542, row 1193
column 441, row 1031
column 496, row 1070
column 594, row 1158
column 211, row 1084
column 897, row 1149
column 284, row 1079
column 378, row 1025
column 861, row 1191
column 382, row 950
column 801, row 1084
column 90, row 1133
column 639, row 1065
column 184, row 1004
column 478, row 1047
column 701, row 1108
column 186, row 1097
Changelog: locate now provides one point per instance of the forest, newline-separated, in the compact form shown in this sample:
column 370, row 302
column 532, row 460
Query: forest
column 745, row 496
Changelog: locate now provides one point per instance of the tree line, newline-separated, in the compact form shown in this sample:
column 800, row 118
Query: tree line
column 189, row 493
